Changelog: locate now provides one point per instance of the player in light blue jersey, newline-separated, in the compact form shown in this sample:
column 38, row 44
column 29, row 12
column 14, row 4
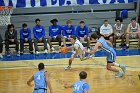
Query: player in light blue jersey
column 111, row 54
column 41, row 80
column 80, row 86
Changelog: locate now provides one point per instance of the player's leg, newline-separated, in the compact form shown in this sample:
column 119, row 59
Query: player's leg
column 138, row 36
column 122, row 39
column 114, row 40
column 127, row 40
column 7, row 42
column 64, row 40
column 30, row 46
column 17, row 47
column 45, row 45
column 111, row 39
column 21, row 46
column 58, row 38
column 111, row 58
column 88, row 42
column 70, row 62
column 36, row 47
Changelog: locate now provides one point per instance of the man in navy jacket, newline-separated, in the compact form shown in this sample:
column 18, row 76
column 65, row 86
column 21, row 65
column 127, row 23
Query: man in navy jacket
column 39, row 35
column 82, row 33
column 54, row 33
column 68, row 30
column 25, row 36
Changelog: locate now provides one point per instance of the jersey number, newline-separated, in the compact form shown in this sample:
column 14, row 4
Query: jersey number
column 38, row 77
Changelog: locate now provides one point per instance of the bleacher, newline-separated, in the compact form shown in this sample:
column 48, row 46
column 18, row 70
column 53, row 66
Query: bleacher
column 93, row 15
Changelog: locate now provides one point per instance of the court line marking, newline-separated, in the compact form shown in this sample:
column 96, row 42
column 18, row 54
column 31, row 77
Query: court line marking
column 66, row 58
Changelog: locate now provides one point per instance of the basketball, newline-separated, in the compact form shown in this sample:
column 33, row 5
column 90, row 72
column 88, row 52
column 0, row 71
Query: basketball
column 63, row 50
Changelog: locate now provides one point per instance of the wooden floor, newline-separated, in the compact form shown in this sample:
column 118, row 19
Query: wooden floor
column 13, row 75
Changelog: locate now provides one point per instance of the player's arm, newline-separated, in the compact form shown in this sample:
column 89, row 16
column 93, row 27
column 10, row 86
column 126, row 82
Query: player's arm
column 128, row 29
column 29, row 81
column 108, row 42
column 86, row 88
column 48, row 82
column 97, row 45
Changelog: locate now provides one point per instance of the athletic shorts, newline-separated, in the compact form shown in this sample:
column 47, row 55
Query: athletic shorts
column 40, row 91
column 111, row 57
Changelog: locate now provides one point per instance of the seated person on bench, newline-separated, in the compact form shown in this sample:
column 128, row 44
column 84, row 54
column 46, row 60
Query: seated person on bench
column 119, row 31
column 68, row 30
column 39, row 35
column 133, row 32
column 11, row 38
column 54, row 33
column 82, row 33
column 25, row 37
column 106, row 31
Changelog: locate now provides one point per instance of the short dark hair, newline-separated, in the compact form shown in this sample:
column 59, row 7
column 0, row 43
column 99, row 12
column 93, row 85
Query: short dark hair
column 105, row 20
column 37, row 19
column 9, row 26
column 74, row 37
column 24, row 25
column 118, row 18
column 83, row 75
column 41, row 66
column 134, row 18
column 95, row 36
column 54, row 20
column 82, row 22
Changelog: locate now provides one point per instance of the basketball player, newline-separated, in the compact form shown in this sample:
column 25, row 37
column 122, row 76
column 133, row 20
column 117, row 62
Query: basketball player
column 111, row 54
column 133, row 31
column 80, row 86
column 79, row 51
column 118, row 31
column 41, row 80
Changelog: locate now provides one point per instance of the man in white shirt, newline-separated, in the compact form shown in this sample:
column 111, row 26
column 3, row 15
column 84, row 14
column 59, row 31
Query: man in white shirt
column 132, row 32
column 106, row 31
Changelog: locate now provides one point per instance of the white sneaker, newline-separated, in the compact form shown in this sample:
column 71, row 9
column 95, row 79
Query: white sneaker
column 120, row 74
column 68, row 68
column 37, row 52
column 91, row 56
column 46, row 51
column 1, row 56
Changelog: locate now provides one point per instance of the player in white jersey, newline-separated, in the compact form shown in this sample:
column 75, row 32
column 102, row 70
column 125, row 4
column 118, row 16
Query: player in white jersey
column 79, row 51
column 133, row 31
column 118, row 31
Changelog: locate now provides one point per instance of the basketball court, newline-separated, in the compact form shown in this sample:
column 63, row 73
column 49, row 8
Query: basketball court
column 14, row 75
